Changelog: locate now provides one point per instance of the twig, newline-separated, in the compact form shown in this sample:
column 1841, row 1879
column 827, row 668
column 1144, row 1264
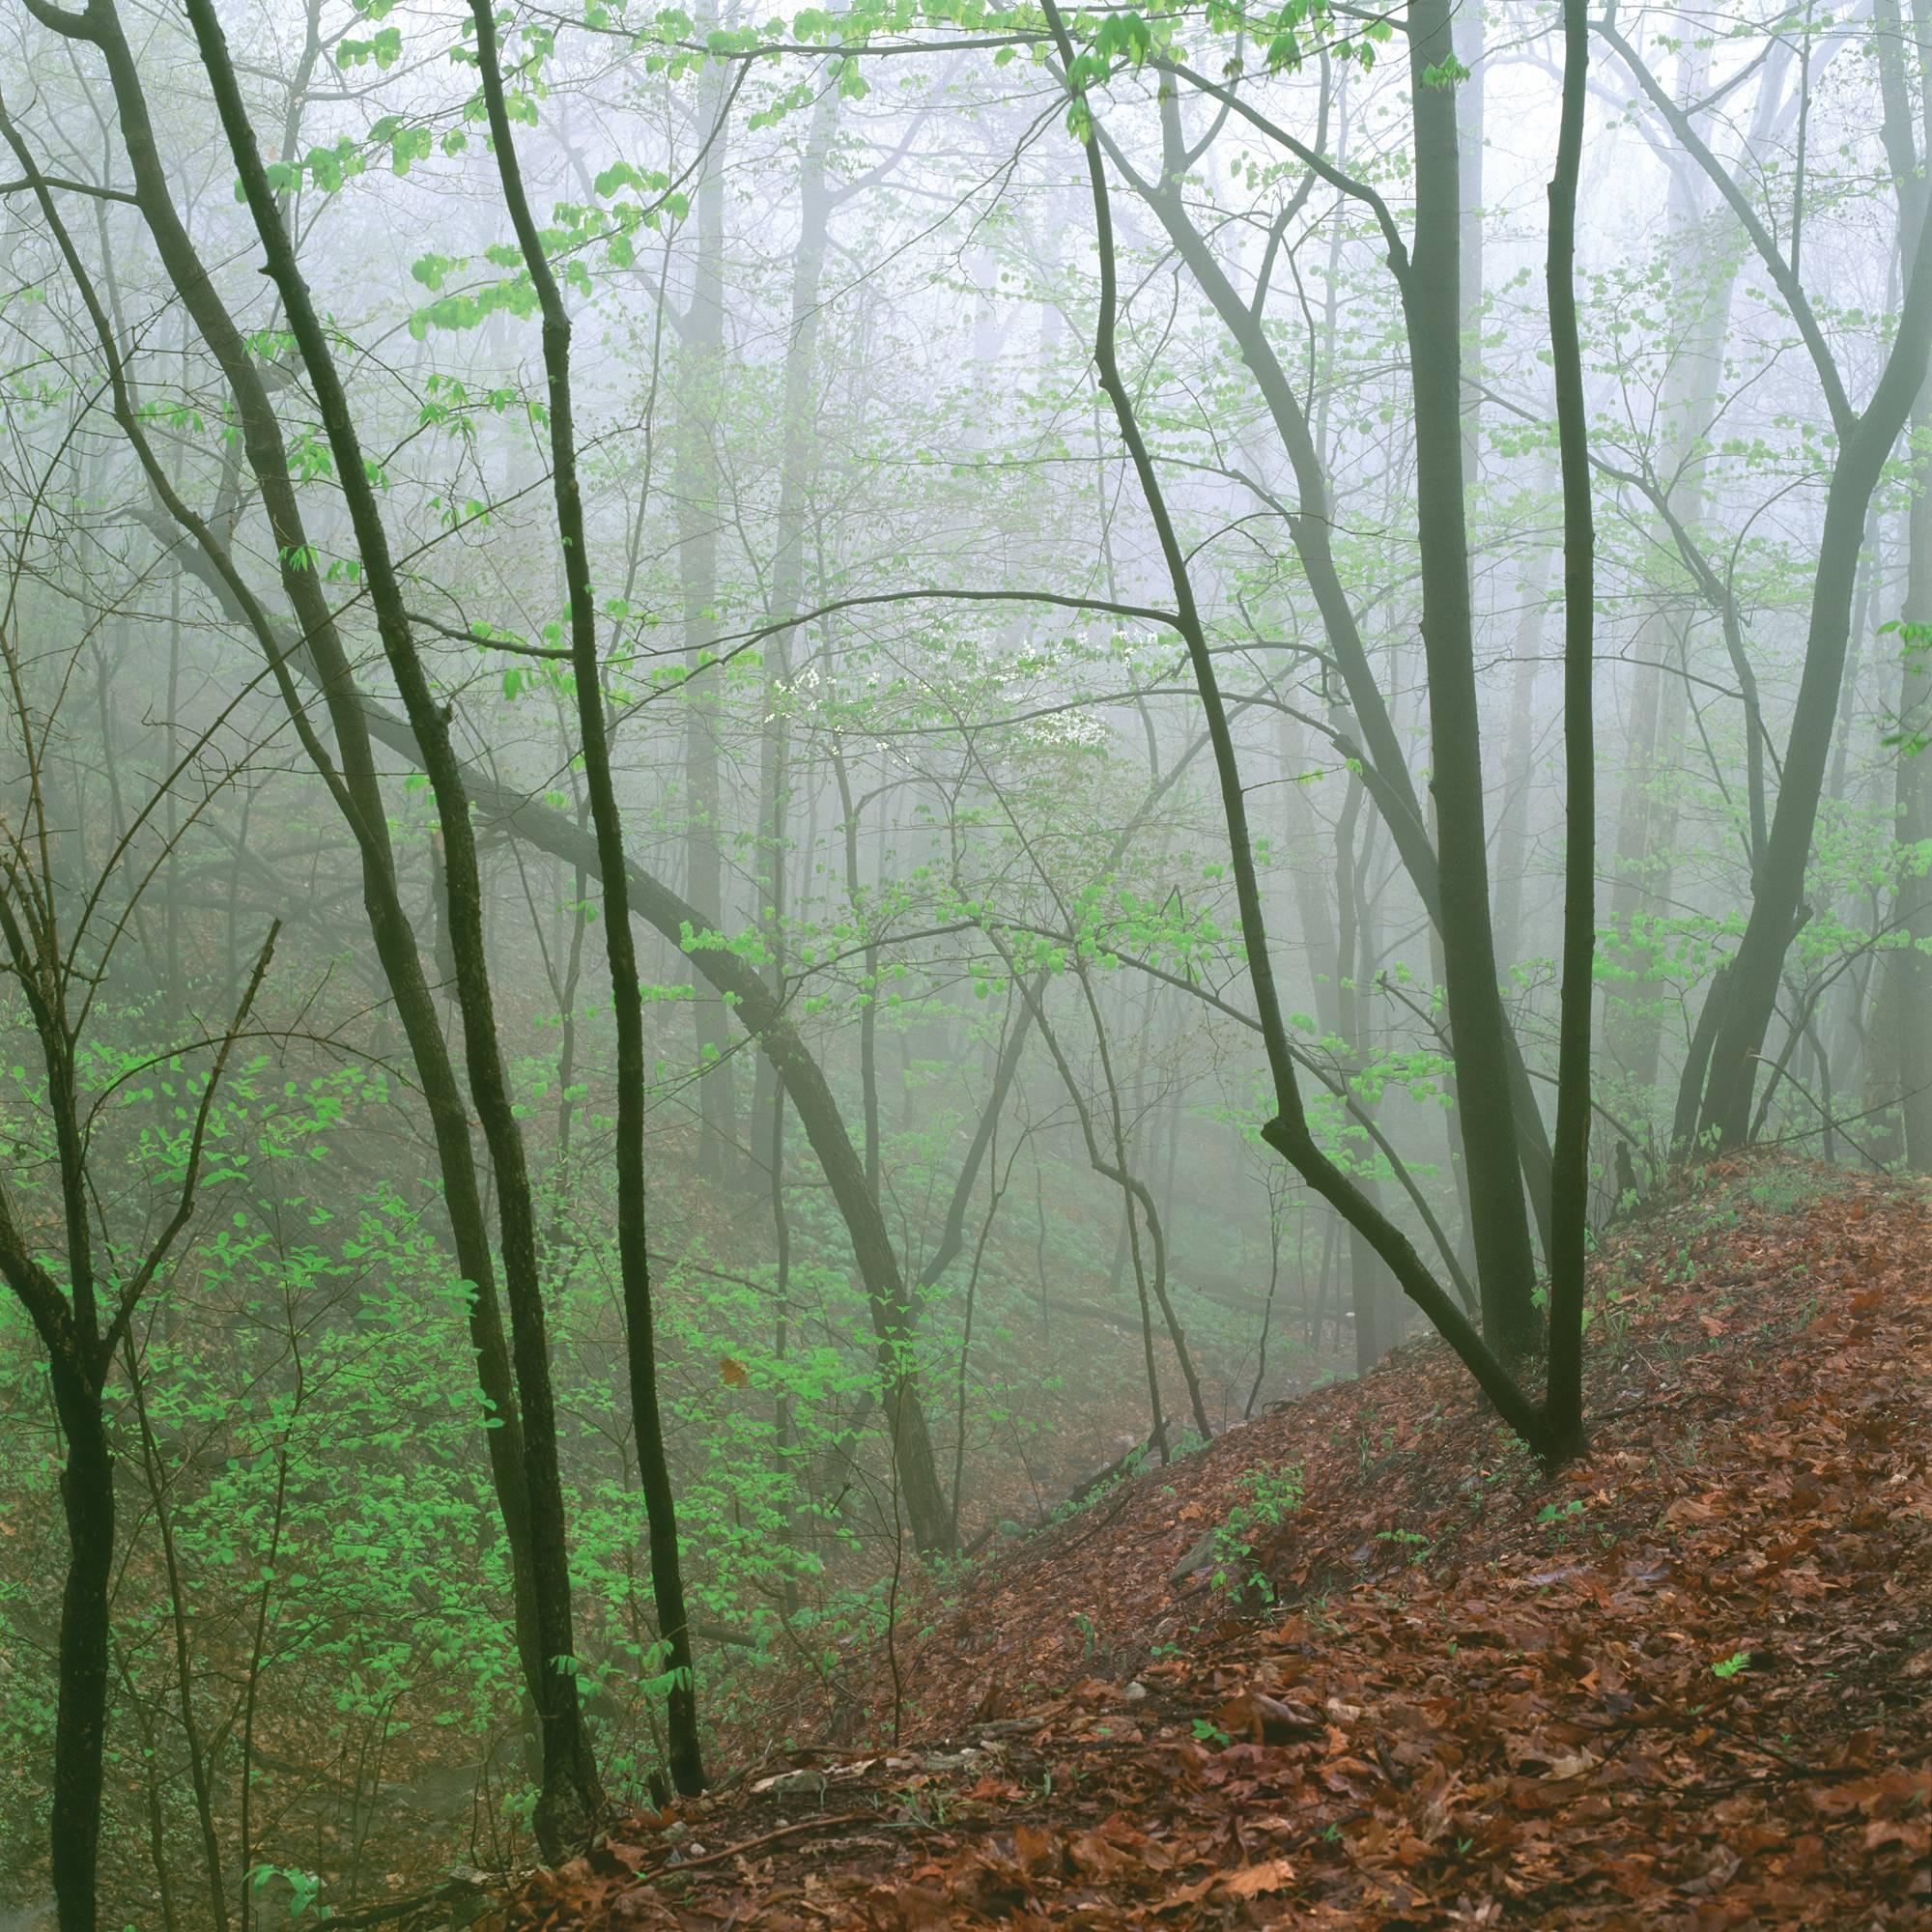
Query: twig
column 401, row 1908
column 766, row 1838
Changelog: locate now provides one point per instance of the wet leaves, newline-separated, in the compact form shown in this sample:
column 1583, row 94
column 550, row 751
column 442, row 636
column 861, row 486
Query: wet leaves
column 1540, row 1720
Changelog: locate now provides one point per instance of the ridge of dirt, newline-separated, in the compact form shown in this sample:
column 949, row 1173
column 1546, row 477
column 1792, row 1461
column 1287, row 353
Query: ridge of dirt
column 1683, row 1683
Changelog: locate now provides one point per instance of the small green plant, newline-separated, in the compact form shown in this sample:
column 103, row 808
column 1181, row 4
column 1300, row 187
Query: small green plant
column 1319, row 1616
column 1616, row 1315
column 1130, row 1468
column 926, row 1808
column 1733, row 1665
column 1412, row 1543
column 1373, row 1450
column 1565, row 1518
column 304, row 1886
column 1211, row 1733
column 1270, row 1496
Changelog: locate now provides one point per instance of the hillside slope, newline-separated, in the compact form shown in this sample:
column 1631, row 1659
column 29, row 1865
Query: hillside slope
column 1410, row 1681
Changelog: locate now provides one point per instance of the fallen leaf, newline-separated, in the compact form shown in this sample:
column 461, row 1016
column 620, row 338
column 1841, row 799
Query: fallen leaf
column 1255, row 1718
column 1253, row 1879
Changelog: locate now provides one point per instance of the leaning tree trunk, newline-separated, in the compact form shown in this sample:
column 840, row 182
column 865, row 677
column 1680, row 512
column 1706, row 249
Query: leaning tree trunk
column 1864, row 441
column 1775, row 916
column 1290, row 1133
column 1309, row 524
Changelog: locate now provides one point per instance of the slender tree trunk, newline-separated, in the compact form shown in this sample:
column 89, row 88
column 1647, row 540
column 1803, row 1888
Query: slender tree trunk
column 1864, row 439
column 700, row 408
column 1705, row 254
column 571, row 1796
column 620, row 943
column 1368, row 1280
column 1151, row 1286
column 1334, row 969
column 1642, row 861
column 1452, row 1109
column 1776, row 905
column 1518, row 758
column 1912, row 905
column 1570, row 1181
column 1910, row 963
column 67, row 1315
column 1384, row 768
column 316, row 651
column 198, row 1766
column 1431, row 293
column 796, row 472
column 1289, row 1132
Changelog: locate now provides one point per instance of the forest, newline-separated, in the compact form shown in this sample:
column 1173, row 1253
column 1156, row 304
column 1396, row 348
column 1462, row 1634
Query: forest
column 1025, row 907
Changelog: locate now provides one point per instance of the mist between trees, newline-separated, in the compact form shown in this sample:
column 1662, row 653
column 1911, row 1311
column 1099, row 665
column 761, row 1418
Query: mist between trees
column 770, row 781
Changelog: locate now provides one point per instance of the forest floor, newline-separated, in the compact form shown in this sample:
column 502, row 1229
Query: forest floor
column 1411, row 1682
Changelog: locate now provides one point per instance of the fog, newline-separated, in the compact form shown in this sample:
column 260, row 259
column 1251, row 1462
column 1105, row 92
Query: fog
column 1051, row 609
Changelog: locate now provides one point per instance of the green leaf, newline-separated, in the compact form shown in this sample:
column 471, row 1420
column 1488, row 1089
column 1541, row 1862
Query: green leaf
column 430, row 270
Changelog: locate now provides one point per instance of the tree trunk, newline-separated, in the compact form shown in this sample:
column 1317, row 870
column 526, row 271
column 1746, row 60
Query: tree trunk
column 1355, row 946
column 571, row 1796
column 1911, row 964
column 80, row 1720
column 316, row 650
column 1570, row 1191
column 796, row 472
column 1864, row 441
column 1336, row 1007
column 1776, row 905
column 1911, row 904
column 1432, row 308
column 1289, row 1132
column 1385, row 770
column 699, row 510
column 1470, row 35
column 1519, row 757
column 633, row 1071
column 1706, row 254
